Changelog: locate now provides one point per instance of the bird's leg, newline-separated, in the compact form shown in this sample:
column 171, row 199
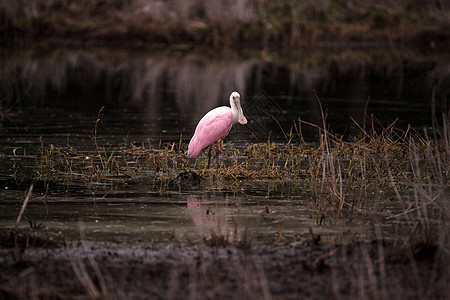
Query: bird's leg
column 217, row 153
column 209, row 156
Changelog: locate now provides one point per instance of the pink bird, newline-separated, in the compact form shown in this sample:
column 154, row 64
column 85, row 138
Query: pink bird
column 216, row 125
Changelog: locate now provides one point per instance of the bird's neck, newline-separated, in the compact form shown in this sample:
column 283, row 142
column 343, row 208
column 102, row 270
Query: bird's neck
column 235, row 112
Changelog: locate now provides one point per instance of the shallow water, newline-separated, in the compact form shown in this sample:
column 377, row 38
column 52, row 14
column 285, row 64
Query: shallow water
column 135, row 212
column 55, row 98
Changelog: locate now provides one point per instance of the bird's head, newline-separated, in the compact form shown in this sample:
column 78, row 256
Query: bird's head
column 235, row 101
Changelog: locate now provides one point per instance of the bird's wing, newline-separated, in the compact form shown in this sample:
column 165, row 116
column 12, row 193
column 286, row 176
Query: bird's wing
column 214, row 125
column 216, row 122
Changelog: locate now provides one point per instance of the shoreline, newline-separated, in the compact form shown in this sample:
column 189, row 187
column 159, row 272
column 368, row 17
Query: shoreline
column 217, row 268
column 421, row 46
column 228, row 24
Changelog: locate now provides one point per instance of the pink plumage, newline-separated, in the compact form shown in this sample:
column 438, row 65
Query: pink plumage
column 216, row 124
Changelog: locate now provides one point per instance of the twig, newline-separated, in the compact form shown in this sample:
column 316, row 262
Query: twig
column 360, row 128
column 326, row 255
column 24, row 205
column 95, row 135
column 19, row 217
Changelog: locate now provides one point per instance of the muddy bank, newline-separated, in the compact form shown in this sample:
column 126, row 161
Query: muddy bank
column 46, row 266
column 279, row 24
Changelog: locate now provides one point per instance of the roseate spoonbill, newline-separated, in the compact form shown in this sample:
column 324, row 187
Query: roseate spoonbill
column 216, row 125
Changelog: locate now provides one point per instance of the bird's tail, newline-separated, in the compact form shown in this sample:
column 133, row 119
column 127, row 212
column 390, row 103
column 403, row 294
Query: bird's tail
column 194, row 147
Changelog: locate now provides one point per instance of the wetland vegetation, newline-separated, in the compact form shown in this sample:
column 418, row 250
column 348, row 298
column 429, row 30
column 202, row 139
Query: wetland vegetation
column 265, row 23
column 338, row 186
column 336, row 180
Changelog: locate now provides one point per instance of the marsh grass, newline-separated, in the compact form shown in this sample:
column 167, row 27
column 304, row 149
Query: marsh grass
column 381, row 156
column 376, row 157
column 339, row 172
column 415, row 166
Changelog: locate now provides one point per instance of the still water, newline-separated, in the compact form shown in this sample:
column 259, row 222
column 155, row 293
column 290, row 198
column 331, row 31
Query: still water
column 56, row 96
